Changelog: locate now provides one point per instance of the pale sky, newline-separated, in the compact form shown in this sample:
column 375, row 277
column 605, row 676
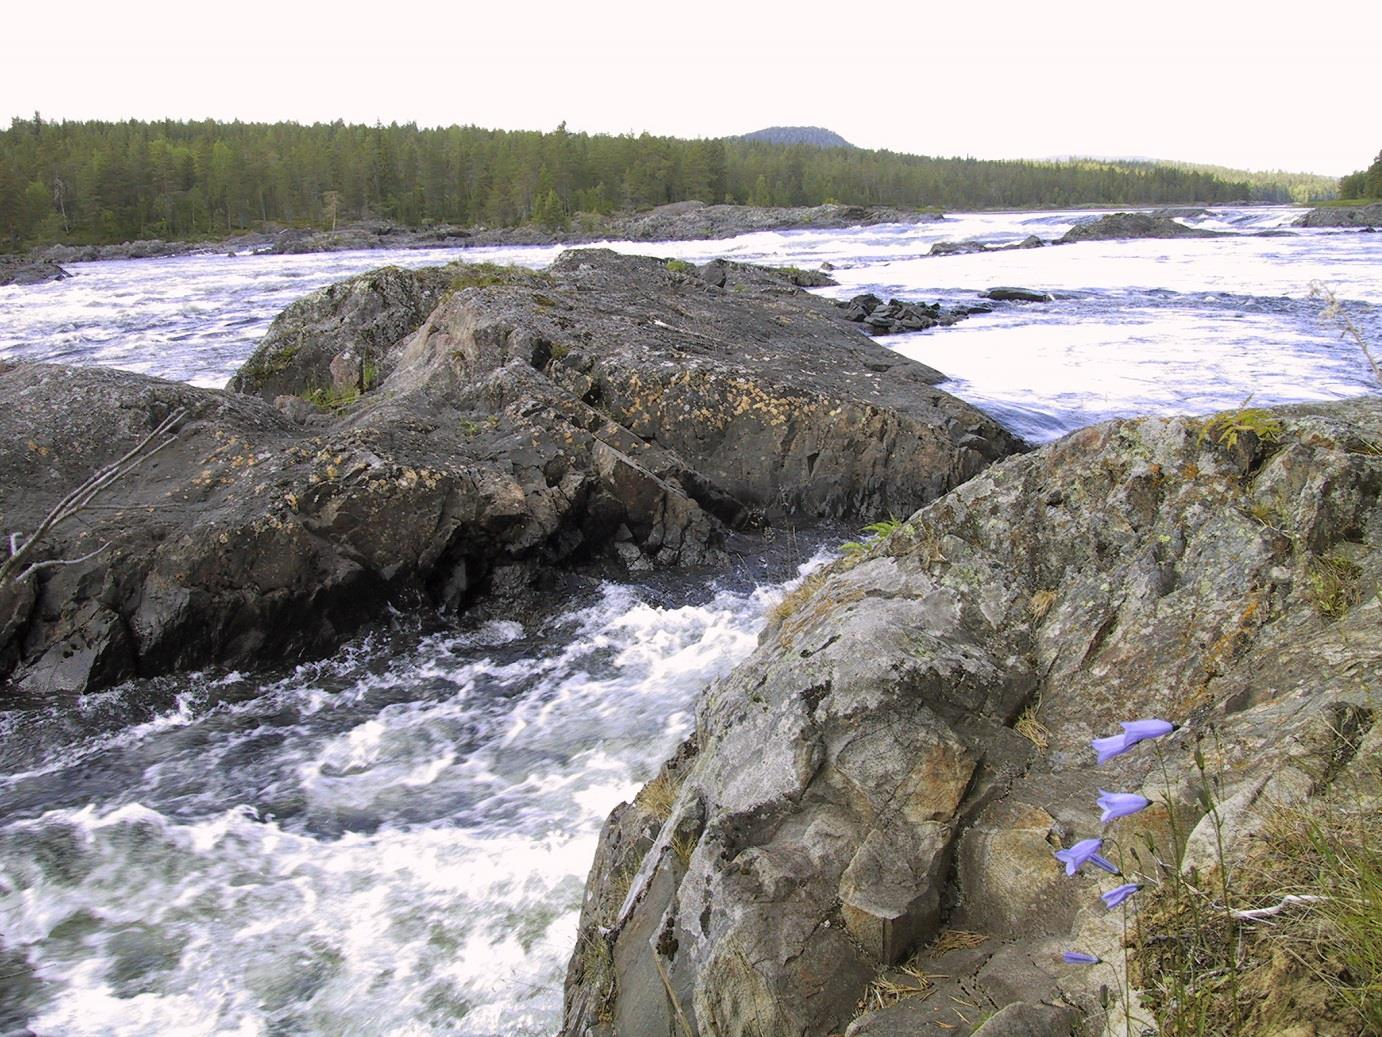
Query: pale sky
column 1251, row 85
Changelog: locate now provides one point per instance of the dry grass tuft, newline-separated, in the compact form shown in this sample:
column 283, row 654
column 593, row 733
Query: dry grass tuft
column 902, row 983
column 1032, row 729
column 954, row 940
column 1332, row 585
column 660, row 795
column 796, row 598
column 1040, row 604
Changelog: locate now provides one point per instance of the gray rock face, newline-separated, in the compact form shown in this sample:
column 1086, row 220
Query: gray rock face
column 611, row 410
column 363, row 317
column 1343, row 216
column 859, row 785
column 1133, row 225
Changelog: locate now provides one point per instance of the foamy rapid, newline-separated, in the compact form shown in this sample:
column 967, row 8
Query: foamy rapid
column 391, row 842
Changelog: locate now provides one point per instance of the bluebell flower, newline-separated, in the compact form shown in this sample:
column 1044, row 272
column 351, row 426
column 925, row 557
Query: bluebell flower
column 1134, row 731
column 1120, row 804
column 1081, row 958
column 1075, row 857
column 1103, row 862
column 1118, row 894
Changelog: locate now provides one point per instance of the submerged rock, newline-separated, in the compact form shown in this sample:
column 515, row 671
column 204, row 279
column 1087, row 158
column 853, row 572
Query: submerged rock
column 19, row 270
column 896, row 316
column 609, row 410
column 890, row 771
column 1134, row 225
column 958, row 248
column 1016, row 295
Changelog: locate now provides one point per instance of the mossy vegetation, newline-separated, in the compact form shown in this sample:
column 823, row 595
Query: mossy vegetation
column 874, row 533
column 1228, row 428
column 330, row 398
column 680, row 266
column 489, row 275
column 1332, row 585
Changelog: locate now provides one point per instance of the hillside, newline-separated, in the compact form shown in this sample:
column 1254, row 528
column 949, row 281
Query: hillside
column 102, row 182
column 812, row 136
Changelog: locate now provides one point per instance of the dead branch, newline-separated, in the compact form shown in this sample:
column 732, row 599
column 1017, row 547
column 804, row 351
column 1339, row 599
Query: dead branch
column 17, row 566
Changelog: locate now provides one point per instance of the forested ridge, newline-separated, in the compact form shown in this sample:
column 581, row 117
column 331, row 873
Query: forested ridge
column 102, row 182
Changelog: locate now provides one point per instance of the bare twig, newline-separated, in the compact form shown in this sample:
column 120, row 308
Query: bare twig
column 1268, row 912
column 17, row 566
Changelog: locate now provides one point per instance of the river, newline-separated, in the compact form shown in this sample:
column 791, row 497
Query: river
column 393, row 841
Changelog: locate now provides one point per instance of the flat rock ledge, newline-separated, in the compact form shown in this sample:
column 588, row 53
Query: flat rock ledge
column 884, row 780
column 426, row 439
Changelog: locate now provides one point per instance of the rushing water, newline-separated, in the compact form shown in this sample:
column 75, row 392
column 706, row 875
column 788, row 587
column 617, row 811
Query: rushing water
column 1157, row 326
column 394, row 841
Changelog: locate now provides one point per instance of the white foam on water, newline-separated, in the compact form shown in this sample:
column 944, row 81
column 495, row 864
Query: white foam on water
column 406, row 856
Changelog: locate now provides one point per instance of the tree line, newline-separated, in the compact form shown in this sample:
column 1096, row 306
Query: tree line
column 103, row 182
column 1366, row 183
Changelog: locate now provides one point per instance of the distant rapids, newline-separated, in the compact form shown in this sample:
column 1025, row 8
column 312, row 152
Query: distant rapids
column 1137, row 327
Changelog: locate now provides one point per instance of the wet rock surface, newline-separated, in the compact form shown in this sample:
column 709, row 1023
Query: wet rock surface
column 897, row 316
column 611, row 411
column 24, row 271
column 1008, row 294
column 884, row 781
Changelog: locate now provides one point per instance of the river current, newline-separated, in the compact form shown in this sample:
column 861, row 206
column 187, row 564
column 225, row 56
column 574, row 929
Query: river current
column 393, row 841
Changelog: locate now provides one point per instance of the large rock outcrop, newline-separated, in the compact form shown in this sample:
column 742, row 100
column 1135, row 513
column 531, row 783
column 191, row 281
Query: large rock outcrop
column 891, row 770
column 362, row 317
column 610, row 410
column 1120, row 225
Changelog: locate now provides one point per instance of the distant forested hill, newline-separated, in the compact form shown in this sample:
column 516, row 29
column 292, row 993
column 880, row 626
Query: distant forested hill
column 97, row 182
column 815, row 136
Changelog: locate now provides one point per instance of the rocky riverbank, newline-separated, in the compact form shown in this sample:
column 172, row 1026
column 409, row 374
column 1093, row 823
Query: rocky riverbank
column 679, row 221
column 447, row 438
column 869, row 806
column 1362, row 216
